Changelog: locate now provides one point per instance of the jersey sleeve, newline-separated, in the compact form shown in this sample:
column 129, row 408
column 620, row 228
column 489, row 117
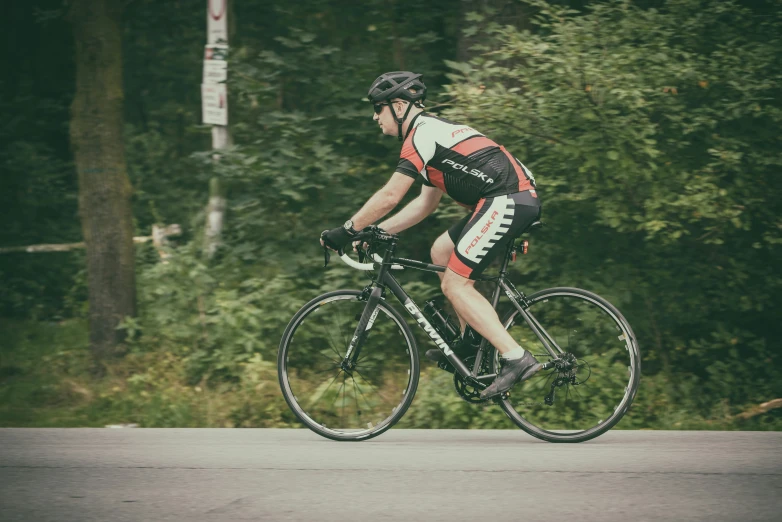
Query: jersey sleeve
column 417, row 150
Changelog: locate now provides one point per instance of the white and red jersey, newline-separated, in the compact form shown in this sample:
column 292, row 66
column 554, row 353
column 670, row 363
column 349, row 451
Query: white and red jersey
column 461, row 161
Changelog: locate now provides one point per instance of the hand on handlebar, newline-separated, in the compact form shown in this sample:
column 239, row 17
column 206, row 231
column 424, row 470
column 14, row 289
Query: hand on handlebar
column 362, row 244
column 362, row 249
column 336, row 239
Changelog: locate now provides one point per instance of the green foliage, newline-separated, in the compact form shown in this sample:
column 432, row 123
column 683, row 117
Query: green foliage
column 653, row 135
column 46, row 381
column 38, row 198
column 214, row 326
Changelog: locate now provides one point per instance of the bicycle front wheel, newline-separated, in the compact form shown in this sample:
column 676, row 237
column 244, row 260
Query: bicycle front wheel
column 347, row 405
column 598, row 370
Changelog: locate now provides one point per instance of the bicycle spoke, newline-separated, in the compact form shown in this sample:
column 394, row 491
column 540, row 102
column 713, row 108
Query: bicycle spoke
column 327, row 388
column 339, row 324
column 369, row 404
column 575, row 390
column 544, row 376
column 586, row 331
column 355, row 397
column 336, row 363
column 369, row 355
column 372, row 386
column 333, row 344
column 335, row 368
column 387, row 364
column 343, row 399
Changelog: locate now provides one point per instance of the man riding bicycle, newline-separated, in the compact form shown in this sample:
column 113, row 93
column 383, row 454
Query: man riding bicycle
column 478, row 174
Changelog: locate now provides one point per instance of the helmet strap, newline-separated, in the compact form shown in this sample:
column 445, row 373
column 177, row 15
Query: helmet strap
column 399, row 122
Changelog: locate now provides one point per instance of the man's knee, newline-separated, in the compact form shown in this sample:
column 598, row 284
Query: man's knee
column 435, row 253
column 453, row 283
column 445, row 287
column 441, row 250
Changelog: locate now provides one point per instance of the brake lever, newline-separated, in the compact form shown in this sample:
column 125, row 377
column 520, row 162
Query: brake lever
column 326, row 256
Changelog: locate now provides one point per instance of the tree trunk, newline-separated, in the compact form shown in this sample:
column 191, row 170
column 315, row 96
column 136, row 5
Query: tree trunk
column 104, row 188
column 503, row 12
column 397, row 17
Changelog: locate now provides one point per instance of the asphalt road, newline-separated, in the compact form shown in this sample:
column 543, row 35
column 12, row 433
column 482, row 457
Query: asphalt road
column 204, row 475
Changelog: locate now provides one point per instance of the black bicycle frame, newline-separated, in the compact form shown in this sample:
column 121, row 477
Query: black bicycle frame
column 384, row 280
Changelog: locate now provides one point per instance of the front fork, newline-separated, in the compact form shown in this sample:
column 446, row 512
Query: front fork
column 362, row 330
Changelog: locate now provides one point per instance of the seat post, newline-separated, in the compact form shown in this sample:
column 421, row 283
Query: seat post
column 506, row 259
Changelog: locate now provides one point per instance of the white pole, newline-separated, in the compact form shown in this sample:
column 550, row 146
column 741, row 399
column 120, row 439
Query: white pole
column 215, row 111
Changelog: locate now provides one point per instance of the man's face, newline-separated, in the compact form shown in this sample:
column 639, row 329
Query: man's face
column 386, row 119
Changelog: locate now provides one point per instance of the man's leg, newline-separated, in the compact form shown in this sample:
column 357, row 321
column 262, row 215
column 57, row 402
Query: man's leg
column 474, row 308
column 441, row 254
column 442, row 249
column 495, row 221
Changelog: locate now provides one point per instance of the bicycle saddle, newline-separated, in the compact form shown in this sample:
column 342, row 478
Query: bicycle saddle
column 536, row 224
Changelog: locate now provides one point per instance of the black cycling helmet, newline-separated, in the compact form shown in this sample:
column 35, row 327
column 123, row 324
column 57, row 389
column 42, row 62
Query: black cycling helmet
column 403, row 85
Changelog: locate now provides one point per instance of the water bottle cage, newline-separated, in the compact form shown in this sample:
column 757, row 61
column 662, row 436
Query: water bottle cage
column 442, row 324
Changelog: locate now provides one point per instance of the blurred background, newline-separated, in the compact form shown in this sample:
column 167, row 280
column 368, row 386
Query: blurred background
column 652, row 128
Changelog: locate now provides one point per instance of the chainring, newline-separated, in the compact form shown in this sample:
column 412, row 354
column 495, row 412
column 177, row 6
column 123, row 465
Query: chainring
column 466, row 391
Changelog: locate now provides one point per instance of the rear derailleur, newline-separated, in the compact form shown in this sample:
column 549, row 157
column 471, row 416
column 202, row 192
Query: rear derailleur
column 566, row 367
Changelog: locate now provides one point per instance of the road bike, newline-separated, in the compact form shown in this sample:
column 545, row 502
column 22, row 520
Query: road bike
column 348, row 363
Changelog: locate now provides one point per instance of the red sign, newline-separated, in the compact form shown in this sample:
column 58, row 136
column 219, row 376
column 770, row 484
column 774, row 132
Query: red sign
column 217, row 8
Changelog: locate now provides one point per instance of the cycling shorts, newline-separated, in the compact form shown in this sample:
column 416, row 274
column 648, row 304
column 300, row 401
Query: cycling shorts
column 483, row 235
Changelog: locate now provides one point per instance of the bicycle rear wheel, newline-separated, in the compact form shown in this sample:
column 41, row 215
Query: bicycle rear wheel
column 597, row 378
column 347, row 405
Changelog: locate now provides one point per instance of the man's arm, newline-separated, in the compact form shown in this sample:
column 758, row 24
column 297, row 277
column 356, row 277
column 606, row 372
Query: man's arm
column 415, row 211
column 383, row 201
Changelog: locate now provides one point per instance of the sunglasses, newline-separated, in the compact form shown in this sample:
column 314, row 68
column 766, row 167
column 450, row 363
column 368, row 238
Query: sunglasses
column 379, row 107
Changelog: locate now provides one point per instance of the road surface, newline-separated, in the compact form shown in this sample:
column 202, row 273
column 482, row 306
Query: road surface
column 232, row 474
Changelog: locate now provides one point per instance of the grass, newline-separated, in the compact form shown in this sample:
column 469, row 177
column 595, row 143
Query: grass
column 40, row 364
column 45, row 381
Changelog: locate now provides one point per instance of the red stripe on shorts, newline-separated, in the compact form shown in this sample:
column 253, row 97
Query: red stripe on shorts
column 457, row 266
column 478, row 206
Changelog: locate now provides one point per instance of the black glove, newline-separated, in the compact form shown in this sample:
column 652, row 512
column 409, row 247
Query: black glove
column 337, row 238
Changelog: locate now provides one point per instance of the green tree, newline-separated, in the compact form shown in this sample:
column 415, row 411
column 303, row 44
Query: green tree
column 653, row 136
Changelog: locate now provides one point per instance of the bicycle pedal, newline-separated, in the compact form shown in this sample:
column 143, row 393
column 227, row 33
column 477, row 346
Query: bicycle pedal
column 504, row 396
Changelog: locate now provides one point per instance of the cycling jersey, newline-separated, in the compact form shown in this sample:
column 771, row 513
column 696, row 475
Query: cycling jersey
column 461, row 161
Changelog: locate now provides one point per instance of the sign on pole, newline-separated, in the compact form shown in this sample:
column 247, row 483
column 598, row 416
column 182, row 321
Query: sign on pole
column 215, row 65
column 214, row 96
column 217, row 28
column 214, row 107
column 215, row 71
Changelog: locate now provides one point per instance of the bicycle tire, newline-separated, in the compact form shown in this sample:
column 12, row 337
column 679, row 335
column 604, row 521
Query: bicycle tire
column 285, row 381
column 630, row 391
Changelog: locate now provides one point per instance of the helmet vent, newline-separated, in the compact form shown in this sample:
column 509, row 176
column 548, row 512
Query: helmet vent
column 406, row 85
